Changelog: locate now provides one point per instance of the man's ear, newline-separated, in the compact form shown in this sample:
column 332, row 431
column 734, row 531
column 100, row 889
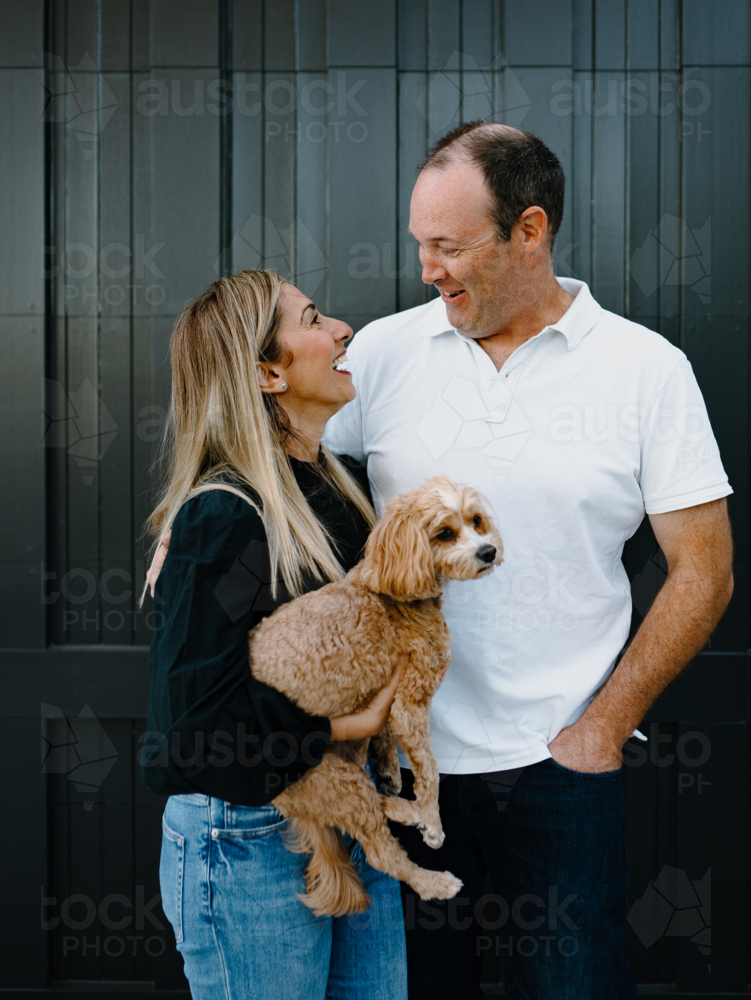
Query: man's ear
column 534, row 225
column 398, row 560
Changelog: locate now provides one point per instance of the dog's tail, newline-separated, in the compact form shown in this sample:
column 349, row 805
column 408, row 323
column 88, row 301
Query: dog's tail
column 334, row 887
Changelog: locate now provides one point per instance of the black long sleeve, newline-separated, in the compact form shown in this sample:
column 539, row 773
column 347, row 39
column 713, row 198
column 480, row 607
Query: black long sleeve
column 213, row 728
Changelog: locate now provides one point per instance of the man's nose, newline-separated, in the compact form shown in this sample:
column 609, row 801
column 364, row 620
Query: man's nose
column 433, row 272
column 431, row 269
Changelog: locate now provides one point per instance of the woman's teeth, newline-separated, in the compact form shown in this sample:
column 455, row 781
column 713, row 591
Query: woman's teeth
column 339, row 363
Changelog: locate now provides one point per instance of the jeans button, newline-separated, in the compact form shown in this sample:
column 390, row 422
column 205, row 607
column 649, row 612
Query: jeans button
column 214, row 833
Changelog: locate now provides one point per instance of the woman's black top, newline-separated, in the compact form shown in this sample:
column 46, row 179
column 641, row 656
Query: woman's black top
column 214, row 728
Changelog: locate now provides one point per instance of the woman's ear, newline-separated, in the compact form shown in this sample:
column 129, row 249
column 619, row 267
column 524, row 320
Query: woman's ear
column 268, row 379
column 398, row 560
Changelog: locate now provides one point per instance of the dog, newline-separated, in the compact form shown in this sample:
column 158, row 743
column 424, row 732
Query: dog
column 332, row 649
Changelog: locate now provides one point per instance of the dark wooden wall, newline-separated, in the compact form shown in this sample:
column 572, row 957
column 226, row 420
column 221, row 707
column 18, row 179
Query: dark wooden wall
column 149, row 144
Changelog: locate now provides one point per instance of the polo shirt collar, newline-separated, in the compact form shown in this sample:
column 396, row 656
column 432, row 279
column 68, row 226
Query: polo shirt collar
column 580, row 317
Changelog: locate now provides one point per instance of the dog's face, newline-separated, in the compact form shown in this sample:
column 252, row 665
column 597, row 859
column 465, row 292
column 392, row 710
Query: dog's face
column 438, row 531
column 464, row 541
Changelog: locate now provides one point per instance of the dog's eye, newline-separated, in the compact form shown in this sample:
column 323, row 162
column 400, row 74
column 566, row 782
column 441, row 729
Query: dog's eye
column 446, row 535
column 477, row 520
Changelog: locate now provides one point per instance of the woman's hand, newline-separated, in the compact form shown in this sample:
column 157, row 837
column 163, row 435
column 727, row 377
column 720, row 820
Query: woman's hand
column 369, row 721
column 156, row 566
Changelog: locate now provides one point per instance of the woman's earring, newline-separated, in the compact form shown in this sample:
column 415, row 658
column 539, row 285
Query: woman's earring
column 284, row 386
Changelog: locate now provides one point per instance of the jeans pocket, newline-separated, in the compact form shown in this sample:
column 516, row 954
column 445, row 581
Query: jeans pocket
column 249, row 823
column 171, row 876
column 584, row 774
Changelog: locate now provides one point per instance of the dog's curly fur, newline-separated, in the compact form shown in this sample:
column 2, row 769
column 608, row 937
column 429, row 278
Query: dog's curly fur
column 331, row 650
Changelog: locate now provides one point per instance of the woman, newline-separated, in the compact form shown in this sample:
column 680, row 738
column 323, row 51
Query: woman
column 253, row 384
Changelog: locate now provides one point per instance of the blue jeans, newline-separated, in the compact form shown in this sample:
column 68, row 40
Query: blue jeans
column 229, row 889
column 551, row 841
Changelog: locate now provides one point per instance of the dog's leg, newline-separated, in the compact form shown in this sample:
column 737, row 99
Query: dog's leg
column 387, row 761
column 412, row 728
column 404, row 811
column 384, row 853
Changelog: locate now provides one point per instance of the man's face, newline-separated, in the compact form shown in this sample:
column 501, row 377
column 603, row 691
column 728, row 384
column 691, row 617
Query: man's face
column 460, row 253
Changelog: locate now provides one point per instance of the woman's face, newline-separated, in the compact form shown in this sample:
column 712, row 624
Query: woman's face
column 315, row 389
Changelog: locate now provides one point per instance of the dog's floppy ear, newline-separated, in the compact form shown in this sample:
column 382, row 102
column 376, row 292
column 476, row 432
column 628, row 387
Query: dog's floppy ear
column 398, row 561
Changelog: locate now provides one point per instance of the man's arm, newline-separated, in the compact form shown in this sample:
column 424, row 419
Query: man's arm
column 698, row 547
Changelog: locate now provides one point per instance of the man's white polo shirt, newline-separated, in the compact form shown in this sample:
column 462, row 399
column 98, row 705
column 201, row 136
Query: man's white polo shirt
column 586, row 426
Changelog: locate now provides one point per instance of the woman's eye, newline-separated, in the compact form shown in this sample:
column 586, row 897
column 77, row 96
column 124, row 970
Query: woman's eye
column 317, row 319
column 445, row 536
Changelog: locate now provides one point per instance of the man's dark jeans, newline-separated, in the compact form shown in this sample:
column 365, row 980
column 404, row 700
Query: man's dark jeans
column 553, row 844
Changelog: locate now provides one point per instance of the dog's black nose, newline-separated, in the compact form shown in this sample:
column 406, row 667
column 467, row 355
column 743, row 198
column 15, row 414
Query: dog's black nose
column 486, row 553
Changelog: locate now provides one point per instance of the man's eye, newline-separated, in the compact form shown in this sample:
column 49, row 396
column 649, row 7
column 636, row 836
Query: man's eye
column 445, row 535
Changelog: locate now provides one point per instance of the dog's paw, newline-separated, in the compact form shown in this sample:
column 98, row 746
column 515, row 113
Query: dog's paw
column 433, row 836
column 441, row 885
column 387, row 787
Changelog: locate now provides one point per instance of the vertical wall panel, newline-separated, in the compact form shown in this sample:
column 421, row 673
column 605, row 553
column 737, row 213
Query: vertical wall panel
column 580, row 194
column 312, row 264
column 361, row 32
column 716, row 34
column 364, row 227
column 608, row 192
column 280, row 141
column 642, row 34
column 413, row 147
column 413, row 35
column 478, row 34
column 444, row 31
column 310, row 35
column 247, row 165
column 22, row 336
column 549, row 43
column 196, row 43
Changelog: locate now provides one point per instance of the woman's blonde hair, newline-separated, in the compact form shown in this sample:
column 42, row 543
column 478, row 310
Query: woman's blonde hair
column 222, row 426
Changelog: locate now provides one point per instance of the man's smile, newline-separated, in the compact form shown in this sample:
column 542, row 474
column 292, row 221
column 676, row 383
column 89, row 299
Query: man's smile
column 452, row 297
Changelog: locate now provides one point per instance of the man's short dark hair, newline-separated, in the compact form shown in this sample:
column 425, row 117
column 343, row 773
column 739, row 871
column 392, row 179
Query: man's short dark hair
column 519, row 170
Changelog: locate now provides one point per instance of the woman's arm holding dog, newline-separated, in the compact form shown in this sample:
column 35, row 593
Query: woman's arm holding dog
column 370, row 720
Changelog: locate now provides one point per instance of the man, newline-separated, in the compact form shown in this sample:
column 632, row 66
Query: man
column 574, row 422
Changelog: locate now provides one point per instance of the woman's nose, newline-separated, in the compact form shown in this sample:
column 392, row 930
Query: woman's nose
column 343, row 331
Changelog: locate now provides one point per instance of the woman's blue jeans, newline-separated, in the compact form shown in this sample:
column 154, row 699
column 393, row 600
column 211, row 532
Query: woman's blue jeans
column 229, row 889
